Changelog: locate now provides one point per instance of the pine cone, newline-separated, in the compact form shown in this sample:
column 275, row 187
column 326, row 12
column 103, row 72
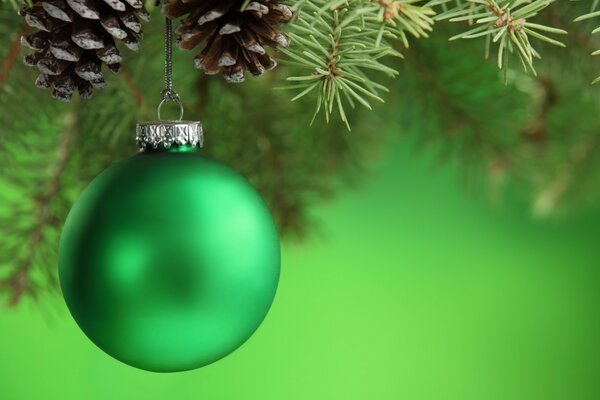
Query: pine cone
column 234, row 37
column 74, row 39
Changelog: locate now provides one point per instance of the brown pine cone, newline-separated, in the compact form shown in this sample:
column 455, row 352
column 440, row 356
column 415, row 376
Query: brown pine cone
column 234, row 38
column 75, row 37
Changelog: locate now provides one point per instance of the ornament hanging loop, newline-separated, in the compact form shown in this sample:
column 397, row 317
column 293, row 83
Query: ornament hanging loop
column 169, row 94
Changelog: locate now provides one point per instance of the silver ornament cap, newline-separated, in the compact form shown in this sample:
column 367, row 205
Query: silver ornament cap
column 155, row 135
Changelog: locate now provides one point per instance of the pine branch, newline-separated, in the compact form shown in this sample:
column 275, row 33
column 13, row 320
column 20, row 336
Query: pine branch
column 11, row 57
column 506, row 24
column 404, row 16
column 479, row 124
column 593, row 14
column 535, row 132
column 565, row 181
column 21, row 282
column 135, row 91
column 336, row 44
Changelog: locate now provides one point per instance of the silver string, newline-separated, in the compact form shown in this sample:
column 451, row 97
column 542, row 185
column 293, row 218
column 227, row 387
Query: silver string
column 168, row 55
column 169, row 94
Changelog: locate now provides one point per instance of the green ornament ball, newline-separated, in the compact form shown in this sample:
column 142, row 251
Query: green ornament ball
column 169, row 260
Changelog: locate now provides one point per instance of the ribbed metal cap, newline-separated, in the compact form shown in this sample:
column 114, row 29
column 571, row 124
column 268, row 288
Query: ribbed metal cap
column 166, row 134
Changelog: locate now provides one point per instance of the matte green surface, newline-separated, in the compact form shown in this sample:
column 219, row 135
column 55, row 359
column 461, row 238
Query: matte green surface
column 415, row 292
column 169, row 261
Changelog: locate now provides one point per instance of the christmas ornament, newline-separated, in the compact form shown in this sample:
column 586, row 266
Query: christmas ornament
column 169, row 260
column 234, row 33
column 74, row 38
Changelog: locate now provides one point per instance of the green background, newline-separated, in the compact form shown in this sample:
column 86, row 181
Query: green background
column 413, row 290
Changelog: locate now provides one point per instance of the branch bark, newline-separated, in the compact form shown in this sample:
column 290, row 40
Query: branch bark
column 13, row 54
column 135, row 91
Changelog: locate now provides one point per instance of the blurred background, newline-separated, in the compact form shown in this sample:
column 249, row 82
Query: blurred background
column 445, row 248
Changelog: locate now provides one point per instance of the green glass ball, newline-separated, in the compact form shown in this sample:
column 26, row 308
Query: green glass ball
column 169, row 261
